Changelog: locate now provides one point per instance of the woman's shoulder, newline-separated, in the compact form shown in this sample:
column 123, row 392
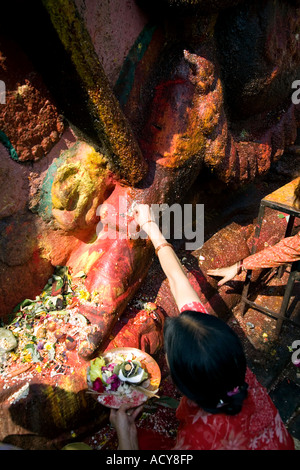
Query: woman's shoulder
column 194, row 307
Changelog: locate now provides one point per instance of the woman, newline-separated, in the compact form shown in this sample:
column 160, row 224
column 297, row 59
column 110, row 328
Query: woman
column 286, row 251
column 223, row 406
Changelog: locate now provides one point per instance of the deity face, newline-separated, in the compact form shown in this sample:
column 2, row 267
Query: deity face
column 80, row 185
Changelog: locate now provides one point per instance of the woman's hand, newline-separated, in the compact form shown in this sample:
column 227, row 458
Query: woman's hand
column 123, row 420
column 142, row 214
column 180, row 286
column 227, row 273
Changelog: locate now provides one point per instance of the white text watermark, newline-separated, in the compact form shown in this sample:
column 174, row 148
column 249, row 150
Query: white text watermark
column 175, row 221
column 296, row 354
column 2, row 92
column 296, row 94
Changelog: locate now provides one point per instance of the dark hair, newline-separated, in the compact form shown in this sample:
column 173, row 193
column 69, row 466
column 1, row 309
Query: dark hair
column 206, row 361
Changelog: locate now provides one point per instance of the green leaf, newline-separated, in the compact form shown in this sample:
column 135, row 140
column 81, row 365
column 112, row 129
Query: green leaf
column 168, row 402
column 59, row 283
column 24, row 303
column 61, row 271
column 35, row 355
column 47, row 288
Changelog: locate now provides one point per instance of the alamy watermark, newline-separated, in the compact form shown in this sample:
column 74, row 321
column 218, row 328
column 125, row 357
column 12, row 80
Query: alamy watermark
column 175, row 221
column 2, row 92
column 296, row 354
column 296, row 94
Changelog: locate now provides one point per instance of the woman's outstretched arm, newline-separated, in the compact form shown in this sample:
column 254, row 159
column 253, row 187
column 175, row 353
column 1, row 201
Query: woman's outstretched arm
column 180, row 286
column 285, row 251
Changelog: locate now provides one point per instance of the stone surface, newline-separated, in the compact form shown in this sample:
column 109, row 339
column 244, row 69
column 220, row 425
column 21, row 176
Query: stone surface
column 79, row 188
column 259, row 58
column 30, row 122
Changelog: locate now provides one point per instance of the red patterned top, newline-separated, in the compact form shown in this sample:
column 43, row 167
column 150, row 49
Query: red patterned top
column 258, row 426
column 194, row 306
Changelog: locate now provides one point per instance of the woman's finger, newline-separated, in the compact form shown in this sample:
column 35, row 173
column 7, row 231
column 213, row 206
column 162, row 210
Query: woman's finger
column 125, row 407
column 112, row 416
column 222, row 282
column 213, row 272
column 129, row 410
column 137, row 411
